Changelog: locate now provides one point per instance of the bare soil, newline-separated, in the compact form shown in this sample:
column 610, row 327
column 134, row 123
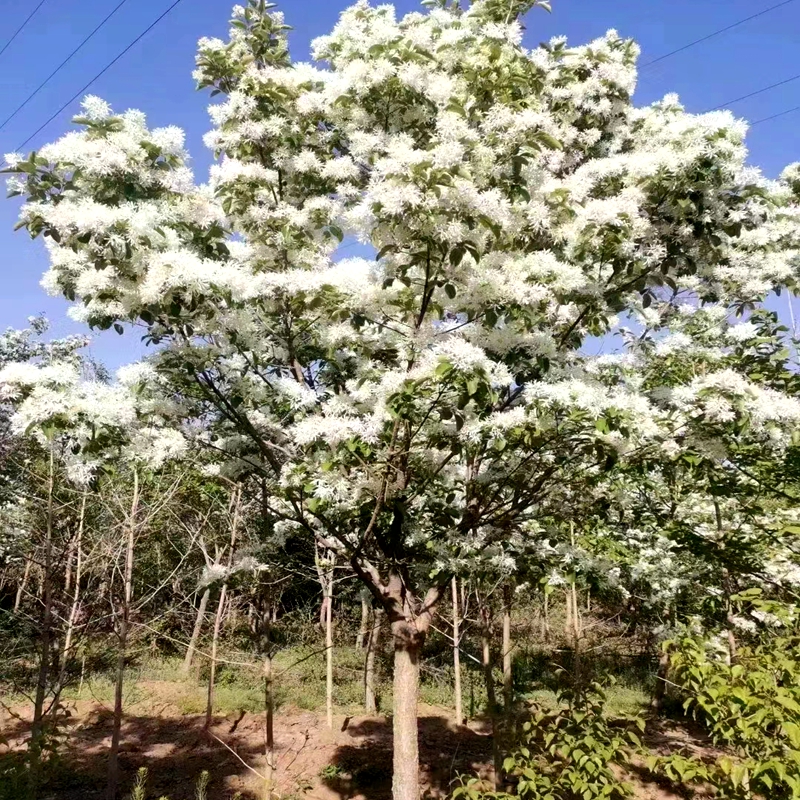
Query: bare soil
column 352, row 761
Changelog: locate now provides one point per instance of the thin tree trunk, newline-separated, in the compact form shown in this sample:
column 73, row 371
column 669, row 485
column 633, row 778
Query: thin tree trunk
column 576, row 631
column 508, row 678
column 405, row 774
column 37, row 726
column 362, row 638
column 491, row 696
column 457, row 654
column 370, row 704
column 23, row 584
column 122, row 635
column 223, row 592
column 198, row 626
column 212, row 671
column 269, row 728
column 73, row 612
column 329, row 650
column 546, row 616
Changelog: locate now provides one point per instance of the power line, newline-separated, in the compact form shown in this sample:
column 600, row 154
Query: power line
column 716, row 33
column 752, row 94
column 775, row 116
column 102, row 72
column 18, row 31
column 60, row 66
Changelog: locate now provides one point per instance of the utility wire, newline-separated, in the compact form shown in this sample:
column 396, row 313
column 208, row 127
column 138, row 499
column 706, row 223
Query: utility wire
column 716, row 33
column 18, row 31
column 746, row 96
column 59, row 67
column 102, row 72
column 775, row 116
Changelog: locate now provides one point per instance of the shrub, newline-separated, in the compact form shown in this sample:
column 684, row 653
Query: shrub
column 567, row 753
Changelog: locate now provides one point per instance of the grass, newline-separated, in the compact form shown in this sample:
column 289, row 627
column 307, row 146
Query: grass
column 299, row 683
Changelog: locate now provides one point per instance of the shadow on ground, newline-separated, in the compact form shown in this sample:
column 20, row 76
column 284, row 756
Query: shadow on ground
column 362, row 768
column 353, row 761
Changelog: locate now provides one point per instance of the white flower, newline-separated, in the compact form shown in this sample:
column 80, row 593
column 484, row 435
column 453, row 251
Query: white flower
column 95, row 108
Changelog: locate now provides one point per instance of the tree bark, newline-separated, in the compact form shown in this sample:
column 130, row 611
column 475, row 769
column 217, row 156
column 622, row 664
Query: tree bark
column 408, row 643
column 122, row 636
column 576, row 631
column 37, row 726
column 198, row 627
column 508, row 678
column 212, row 670
column 269, row 727
column 23, row 585
column 223, row 593
column 362, row 638
column 370, row 704
column 73, row 612
column 491, row 696
column 329, row 651
column 457, row 654
column 546, row 616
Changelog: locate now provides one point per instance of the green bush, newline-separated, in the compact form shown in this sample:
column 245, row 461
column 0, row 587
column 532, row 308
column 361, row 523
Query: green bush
column 567, row 753
column 751, row 709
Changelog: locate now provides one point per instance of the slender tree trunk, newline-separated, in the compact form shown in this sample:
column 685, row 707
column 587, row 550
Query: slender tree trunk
column 37, row 726
column 122, row 635
column 329, row 650
column 457, row 653
column 76, row 596
column 491, row 696
column 325, row 566
column 508, row 678
column 223, row 593
column 198, row 627
column 23, row 585
column 362, row 637
column 269, row 727
column 370, row 704
column 576, row 631
column 546, row 616
column 212, row 671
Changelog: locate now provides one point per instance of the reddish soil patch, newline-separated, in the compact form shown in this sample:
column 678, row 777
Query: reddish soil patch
column 352, row 761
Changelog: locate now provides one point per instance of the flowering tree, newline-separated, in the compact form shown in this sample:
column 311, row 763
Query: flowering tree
column 84, row 426
column 405, row 409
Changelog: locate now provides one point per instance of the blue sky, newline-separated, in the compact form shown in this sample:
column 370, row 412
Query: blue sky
column 155, row 76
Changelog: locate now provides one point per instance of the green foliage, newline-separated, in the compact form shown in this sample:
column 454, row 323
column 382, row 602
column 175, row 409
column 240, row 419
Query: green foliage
column 751, row 709
column 139, row 790
column 567, row 753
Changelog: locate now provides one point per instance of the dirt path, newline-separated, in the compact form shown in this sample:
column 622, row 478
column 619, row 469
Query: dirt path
column 352, row 761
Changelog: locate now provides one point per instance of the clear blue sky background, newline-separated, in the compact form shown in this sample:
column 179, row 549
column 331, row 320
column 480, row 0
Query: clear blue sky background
column 155, row 76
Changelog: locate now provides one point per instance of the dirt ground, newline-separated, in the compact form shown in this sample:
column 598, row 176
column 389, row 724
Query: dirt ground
column 352, row 761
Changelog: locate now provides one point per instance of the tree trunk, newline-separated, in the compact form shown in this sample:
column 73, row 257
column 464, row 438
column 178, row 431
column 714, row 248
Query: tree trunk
column 546, row 616
column 362, row 638
column 576, row 632
column 457, row 654
column 122, row 635
column 370, row 704
column 198, row 626
column 491, row 697
column 37, row 726
column 212, row 670
column 73, row 612
column 508, row 678
column 223, row 593
column 329, row 651
column 269, row 728
column 23, row 585
column 660, row 690
column 407, row 646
